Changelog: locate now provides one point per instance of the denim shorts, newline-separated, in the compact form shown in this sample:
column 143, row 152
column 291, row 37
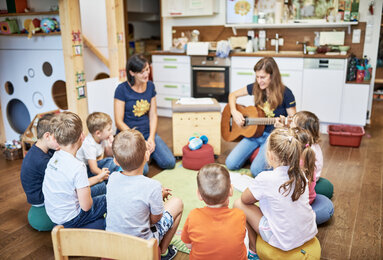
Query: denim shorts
column 264, row 229
column 162, row 227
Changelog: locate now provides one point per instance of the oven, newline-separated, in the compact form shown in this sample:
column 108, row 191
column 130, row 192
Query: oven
column 210, row 77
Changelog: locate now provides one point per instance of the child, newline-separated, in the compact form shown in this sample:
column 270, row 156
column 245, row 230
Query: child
column 215, row 231
column 322, row 205
column 134, row 202
column 97, row 144
column 68, row 199
column 33, row 171
column 284, row 218
column 309, row 121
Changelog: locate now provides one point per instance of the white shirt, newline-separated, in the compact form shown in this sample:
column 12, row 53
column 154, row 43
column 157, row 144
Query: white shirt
column 318, row 160
column 64, row 174
column 90, row 149
column 292, row 223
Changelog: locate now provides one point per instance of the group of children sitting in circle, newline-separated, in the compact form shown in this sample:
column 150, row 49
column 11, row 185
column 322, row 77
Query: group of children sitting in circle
column 67, row 183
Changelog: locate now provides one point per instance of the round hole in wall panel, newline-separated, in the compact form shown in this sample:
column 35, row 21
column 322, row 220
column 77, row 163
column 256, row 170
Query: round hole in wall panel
column 59, row 94
column 9, row 87
column 101, row 75
column 25, row 78
column 31, row 72
column 38, row 99
column 18, row 116
column 47, row 69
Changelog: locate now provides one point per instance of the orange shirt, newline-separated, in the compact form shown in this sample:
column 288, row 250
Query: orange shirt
column 216, row 233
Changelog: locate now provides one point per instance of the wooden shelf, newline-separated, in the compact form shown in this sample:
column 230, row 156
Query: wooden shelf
column 30, row 14
column 300, row 24
column 367, row 82
column 34, row 35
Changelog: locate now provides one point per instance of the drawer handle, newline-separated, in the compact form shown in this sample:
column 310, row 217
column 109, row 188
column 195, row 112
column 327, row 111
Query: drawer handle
column 285, row 74
column 170, row 99
column 170, row 67
column 245, row 73
column 170, row 86
column 170, row 59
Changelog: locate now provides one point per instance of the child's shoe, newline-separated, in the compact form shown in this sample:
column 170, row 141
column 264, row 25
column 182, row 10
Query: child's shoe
column 172, row 251
column 252, row 256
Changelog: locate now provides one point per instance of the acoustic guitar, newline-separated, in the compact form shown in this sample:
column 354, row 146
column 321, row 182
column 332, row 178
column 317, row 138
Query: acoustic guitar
column 254, row 125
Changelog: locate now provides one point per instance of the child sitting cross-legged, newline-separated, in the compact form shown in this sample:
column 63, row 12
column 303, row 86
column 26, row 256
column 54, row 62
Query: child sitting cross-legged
column 284, row 218
column 68, row 197
column 33, row 171
column 215, row 231
column 135, row 202
column 96, row 151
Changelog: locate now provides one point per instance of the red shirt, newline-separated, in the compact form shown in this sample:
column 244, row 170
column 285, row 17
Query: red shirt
column 216, row 233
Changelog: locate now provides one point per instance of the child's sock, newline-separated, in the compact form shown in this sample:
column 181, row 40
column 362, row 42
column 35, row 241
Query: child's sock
column 164, row 254
column 252, row 255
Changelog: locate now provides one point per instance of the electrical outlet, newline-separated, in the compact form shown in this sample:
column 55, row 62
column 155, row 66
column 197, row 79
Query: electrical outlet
column 280, row 41
column 272, row 42
column 356, row 35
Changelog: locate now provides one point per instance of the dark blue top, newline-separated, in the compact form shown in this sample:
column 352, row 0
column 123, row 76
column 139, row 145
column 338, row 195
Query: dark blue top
column 288, row 101
column 32, row 174
column 137, row 106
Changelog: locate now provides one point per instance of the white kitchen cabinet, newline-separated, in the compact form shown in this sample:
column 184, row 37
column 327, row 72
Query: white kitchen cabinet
column 172, row 78
column 323, row 81
column 182, row 8
column 354, row 104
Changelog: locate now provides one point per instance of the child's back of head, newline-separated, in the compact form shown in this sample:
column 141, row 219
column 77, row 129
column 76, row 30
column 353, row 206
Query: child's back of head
column 308, row 121
column 286, row 150
column 129, row 148
column 214, row 184
column 44, row 125
column 67, row 128
column 98, row 121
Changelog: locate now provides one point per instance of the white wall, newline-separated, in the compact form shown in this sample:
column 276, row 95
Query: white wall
column 371, row 42
column 169, row 22
column 93, row 23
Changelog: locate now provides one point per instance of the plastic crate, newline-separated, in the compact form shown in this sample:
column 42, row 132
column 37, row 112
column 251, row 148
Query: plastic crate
column 345, row 135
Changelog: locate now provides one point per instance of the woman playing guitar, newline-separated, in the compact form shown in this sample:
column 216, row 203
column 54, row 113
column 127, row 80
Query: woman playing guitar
column 274, row 99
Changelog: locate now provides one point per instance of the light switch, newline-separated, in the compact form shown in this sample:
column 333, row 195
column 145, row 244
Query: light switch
column 356, row 35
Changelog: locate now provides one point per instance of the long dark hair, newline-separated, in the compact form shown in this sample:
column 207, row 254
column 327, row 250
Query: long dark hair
column 136, row 63
column 276, row 87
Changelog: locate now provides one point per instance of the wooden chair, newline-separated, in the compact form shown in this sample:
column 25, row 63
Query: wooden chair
column 99, row 243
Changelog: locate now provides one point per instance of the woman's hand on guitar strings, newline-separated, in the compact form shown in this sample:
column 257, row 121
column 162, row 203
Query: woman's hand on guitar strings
column 282, row 121
column 238, row 117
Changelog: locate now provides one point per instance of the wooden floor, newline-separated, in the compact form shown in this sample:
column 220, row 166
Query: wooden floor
column 354, row 232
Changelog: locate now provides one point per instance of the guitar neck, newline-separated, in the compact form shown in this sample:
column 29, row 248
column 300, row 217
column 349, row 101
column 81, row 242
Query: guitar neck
column 260, row 121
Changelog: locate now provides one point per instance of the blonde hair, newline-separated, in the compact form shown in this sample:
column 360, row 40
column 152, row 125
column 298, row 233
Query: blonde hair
column 44, row 125
column 308, row 154
column 283, row 143
column 129, row 148
column 309, row 121
column 98, row 121
column 213, row 183
column 66, row 128
column 276, row 89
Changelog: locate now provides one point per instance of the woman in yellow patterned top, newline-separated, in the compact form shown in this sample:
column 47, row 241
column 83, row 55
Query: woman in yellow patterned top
column 135, row 106
column 274, row 99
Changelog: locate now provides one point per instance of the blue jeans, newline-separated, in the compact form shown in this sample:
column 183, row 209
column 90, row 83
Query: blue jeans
column 104, row 163
column 98, row 189
column 162, row 155
column 323, row 208
column 93, row 218
column 241, row 153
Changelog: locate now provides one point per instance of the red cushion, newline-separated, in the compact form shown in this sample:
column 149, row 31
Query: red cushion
column 194, row 160
column 254, row 154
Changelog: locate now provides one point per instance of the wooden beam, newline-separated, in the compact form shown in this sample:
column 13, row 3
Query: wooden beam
column 73, row 48
column 115, row 18
column 95, row 51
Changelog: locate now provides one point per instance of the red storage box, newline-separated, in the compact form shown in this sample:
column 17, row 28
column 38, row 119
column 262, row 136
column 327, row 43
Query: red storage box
column 345, row 135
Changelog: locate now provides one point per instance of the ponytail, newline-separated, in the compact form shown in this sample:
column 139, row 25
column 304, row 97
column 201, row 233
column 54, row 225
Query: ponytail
column 308, row 154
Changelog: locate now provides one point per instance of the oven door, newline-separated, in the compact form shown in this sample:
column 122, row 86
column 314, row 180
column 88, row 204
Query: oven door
column 211, row 82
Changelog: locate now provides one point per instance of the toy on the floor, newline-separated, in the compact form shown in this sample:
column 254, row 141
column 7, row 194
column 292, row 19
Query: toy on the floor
column 196, row 143
column 195, row 159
